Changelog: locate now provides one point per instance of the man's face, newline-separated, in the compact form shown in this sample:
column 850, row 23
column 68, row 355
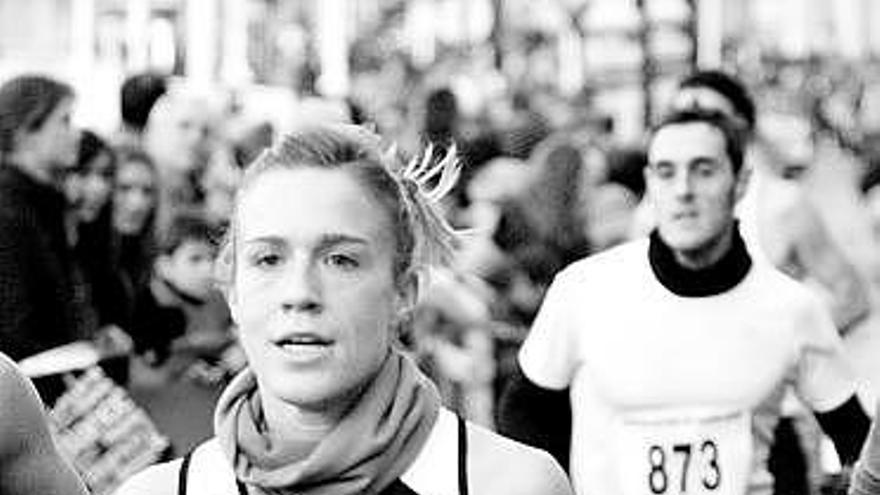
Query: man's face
column 181, row 139
column 691, row 181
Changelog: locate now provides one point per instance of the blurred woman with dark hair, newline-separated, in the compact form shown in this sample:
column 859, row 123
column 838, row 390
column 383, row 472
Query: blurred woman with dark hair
column 135, row 203
column 549, row 212
column 41, row 295
column 89, row 187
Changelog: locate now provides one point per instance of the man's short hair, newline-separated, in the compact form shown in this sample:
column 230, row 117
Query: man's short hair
column 733, row 135
column 728, row 86
column 138, row 94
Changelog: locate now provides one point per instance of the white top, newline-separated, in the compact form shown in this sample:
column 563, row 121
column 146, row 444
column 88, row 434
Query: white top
column 672, row 392
column 434, row 471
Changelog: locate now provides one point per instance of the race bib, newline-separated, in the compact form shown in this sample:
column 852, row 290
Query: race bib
column 693, row 454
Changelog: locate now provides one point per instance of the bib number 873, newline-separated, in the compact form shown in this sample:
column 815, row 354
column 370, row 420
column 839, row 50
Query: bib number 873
column 661, row 466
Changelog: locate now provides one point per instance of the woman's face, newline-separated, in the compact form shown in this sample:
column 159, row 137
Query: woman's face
column 134, row 197
column 313, row 292
column 54, row 144
column 95, row 186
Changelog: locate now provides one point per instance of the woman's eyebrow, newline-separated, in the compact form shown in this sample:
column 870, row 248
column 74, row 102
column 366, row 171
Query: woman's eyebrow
column 335, row 239
column 323, row 241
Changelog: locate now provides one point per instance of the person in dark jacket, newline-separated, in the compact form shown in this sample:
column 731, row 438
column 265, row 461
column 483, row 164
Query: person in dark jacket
column 42, row 298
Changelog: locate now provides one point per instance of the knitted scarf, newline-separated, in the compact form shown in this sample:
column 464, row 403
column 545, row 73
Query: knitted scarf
column 371, row 446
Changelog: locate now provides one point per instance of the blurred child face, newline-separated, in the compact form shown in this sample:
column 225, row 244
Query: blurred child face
column 134, row 197
column 189, row 268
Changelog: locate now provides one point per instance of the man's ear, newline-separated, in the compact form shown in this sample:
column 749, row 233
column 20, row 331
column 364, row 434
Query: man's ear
column 743, row 179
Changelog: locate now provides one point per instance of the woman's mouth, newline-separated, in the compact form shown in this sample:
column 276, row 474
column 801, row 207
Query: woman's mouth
column 304, row 348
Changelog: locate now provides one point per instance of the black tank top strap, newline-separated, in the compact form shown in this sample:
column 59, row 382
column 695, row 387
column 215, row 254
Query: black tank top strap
column 184, row 473
column 462, row 457
column 242, row 489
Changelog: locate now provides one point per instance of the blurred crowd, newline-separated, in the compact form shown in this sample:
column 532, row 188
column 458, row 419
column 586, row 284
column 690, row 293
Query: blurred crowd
column 111, row 237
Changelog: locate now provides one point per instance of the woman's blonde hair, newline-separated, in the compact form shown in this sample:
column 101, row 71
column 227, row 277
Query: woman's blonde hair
column 408, row 190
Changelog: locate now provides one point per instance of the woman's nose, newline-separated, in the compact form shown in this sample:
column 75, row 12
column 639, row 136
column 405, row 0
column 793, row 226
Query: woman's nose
column 301, row 288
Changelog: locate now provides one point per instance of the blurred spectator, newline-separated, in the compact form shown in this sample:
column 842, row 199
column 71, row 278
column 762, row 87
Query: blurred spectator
column 452, row 339
column 90, row 191
column 550, row 209
column 610, row 215
column 135, row 201
column 626, row 167
column 180, row 139
column 181, row 328
column 441, row 118
column 526, row 128
column 180, row 311
column 491, row 187
column 42, row 294
column 137, row 95
column 219, row 183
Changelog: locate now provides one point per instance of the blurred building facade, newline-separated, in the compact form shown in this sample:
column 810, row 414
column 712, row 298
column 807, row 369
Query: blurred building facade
column 626, row 52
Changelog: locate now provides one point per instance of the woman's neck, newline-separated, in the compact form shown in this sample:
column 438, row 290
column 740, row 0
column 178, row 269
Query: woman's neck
column 311, row 423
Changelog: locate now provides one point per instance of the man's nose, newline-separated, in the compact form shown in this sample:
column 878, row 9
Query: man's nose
column 683, row 184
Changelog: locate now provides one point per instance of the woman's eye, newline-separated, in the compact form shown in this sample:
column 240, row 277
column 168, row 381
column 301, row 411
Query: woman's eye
column 266, row 260
column 342, row 261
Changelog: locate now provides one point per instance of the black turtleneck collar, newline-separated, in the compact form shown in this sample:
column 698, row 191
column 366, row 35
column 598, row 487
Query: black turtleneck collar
column 720, row 277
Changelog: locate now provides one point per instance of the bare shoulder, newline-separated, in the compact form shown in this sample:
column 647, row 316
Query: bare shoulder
column 159, row 479
column 499, row 465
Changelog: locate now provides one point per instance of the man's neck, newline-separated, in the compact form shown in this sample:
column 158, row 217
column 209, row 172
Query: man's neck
column 707, row 255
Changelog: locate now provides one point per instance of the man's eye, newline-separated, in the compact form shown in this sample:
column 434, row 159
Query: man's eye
column 663, row 171
column 705, row 170
column 342, row 261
